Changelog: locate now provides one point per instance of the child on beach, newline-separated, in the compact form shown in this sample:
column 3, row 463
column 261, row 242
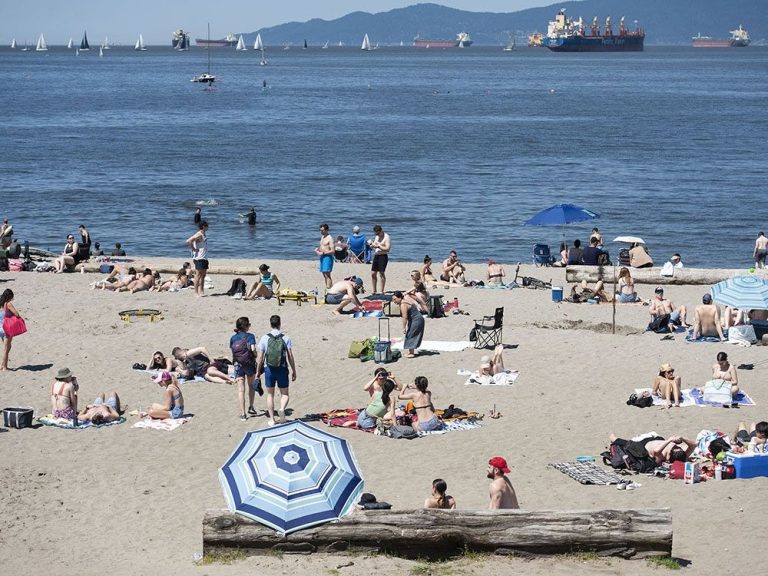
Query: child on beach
column 173, row 401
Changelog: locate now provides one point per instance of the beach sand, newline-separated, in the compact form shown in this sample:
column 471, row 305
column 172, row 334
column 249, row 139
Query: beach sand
column 134, row 498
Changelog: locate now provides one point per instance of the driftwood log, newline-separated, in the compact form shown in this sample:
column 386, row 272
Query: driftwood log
column 702, row 276
column 445, row 533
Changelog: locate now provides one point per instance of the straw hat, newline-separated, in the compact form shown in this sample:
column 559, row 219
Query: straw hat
column 666, row 367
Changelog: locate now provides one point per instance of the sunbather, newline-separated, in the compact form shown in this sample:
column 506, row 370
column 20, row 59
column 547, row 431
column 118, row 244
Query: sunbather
column 198, row 362
column 173, row 401
column 420, row 296
column 492, row 366
column 659, row 449
column 724, row 370
column 64, row 394
column 178, row 283
column 102, row 410
column 265, row 287
column 706, row 319
column 563, row 257
column 439, row 498
column 422, row 403
column 582, row 292
column 626, row 293
column 666, row 385
column 68, row 257
column 495, row 274
column 757, row 433
column 453, row 269
column 160, row 362
column 661, row 307
column 139, row 282
column 381, row 407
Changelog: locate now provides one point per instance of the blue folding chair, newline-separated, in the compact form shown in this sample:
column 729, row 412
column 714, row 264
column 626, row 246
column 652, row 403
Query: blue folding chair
column 542, row 255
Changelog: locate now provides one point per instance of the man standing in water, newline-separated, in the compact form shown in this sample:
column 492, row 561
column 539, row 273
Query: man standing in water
column 501, row 492
column 325, row 251
column 381, row 246
column 198, row 242
column 252, row 217
column 198, row 216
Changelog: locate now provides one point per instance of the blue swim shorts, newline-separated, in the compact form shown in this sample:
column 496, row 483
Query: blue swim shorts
column 326, row 263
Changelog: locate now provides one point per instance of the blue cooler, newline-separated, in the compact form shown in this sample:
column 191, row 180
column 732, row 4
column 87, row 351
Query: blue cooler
column 557, row 294
column 749, row 464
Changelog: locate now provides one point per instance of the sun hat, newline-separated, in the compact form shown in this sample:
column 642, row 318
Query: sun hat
column 666, row 367
column 355, row 229
column 162, row 377
column 500, row 463
column 485, row 362
column 63, row 373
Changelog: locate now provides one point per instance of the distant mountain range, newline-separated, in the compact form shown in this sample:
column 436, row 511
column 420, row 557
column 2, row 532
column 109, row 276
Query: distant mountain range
column 664, row 21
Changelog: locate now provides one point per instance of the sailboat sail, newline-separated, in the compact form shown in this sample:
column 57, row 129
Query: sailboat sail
column 13, row 44
column 106, row 43
column 69, row 44
column 366, row 43
column 240, row 44
column 41, row 46
column 84, row 42
column 305, row 44
column 258, row 44
column 325, row 46
column 101, row 51
column 140, row 44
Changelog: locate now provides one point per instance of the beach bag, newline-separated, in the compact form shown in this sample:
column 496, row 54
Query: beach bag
column 14, row 326
column 15, row 265
column 603, row 259
column 275, row 350
column 238, row 287
column 677, row 470
column 717, row 392
column 436, row 309
column 360, row 348
column 660, row 324
column 743, row 335
column 241, row 352
column 401, row 431
column 641, row 401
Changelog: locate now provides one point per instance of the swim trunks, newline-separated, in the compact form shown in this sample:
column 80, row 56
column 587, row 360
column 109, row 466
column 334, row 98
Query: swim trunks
column 379, row 263
column 326, row 263
column 334, row 298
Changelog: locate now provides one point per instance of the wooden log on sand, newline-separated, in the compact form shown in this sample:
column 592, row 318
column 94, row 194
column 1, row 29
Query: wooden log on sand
column 703, row 276
column 627, row 533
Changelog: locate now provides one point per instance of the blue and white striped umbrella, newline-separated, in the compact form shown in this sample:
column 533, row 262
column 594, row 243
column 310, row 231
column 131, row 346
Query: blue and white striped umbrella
column 742, row 292
column 291, row 477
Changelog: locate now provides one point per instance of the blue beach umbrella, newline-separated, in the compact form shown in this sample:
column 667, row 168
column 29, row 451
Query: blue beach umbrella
column 742, row 292
column 291, row 476
column 561, row 214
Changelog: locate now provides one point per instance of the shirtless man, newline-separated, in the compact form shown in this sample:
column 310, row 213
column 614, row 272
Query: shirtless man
column 325, row 250
column 381, row 245
column 706, row 319
column 501, row 492
column 102, row 410
column 761, row 249
column 453, row 269
column 661, row 306
column 344, row 292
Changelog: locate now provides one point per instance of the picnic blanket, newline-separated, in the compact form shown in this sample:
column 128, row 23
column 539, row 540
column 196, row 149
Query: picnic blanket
column 588, row 473
column 49, row 420
column 506, row 378
column 439, row 345
column 689, row 337
column 167, row 424
column 347, row 418
column 692, row 397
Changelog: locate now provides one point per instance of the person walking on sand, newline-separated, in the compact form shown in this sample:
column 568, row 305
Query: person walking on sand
column 275, row 355
column 7, row 310
column 761, row 249
column 243, row 345
column 502, row 494
column 381, row 245
column 325, row 252
column 198, row 242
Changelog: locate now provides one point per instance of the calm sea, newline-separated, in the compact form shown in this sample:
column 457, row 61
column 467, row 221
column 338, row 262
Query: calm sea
column 444, row 148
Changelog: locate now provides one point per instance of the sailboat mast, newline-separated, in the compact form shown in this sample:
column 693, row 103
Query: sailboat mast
column 208, row 48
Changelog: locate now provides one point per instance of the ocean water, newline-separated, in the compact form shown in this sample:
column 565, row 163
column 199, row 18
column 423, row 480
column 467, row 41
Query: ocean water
column 444, row 148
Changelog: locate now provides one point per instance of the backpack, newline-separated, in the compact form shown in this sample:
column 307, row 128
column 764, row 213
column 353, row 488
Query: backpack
column 275, row 351
column 241, row 352
column 641, row 401
column 620, row 457
column 603, row 259
column 400, row 431
column 436, row 307
column 660, row 324
column 238, row 287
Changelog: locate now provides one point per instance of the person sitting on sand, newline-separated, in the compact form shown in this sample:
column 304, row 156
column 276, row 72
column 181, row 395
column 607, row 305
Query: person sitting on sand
column 118, row 251
column 757, row 432
column 734, row 317
column 196, row 362
column 422, row 403
column 160, row 362
column 265, row 287
column 380, row 375
column 68, row 257
column 345, row 292
column 492, row 366
column 626, row 293
column 179, row 282
column 563, row 257
column 582, row 292
column 502, row 494
column 453, row 269
column 724, row 370
column 173, row 401
column 706, row 320
column 494, row 275
column 102, row 410
column 661, row 306
column 64, row 394
column 639, row 257
column 666, row 385
column 439, row 498
column 575, row 254
column 659, row 449
column 420, row 296
column 381, row 407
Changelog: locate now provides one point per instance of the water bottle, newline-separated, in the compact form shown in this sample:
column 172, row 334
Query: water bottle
column 719, row 472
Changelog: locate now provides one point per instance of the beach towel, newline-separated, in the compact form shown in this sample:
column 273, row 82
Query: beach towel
column 692, row 397
column 167, row 424
column 506, row 378
column 49, row 420
column 439, row 345
column 345, row 417
column 689, row 337
column 588, row 473
column 368, row 314
column 155, row 373
column 454, row 425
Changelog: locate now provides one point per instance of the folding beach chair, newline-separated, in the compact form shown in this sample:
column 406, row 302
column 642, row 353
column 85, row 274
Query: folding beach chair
column 357, row 249
column 487, row 331
column 542, row 255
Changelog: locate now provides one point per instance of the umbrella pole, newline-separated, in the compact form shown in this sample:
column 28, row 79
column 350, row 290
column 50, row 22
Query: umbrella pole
column 613, row 301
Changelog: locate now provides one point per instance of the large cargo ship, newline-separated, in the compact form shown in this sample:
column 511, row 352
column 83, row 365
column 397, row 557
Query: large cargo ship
column 229, row 40
column 462, row 41
column 180, row 40
column 567, row 35
column 739, row 39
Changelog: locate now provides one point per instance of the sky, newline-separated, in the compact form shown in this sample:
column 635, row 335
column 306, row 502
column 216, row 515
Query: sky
column 122, row 21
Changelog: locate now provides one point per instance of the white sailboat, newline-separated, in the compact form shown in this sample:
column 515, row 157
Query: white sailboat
column 106, row 46
column 366, row 43
column 240, row 44
column 77, row 51
column 13, row 44
column 101, row 51
column 69, row 44
column 258, row 44
column 206, row 77
column 140, row 44
column 41, row 46
column 510, row 45
column 325, row 46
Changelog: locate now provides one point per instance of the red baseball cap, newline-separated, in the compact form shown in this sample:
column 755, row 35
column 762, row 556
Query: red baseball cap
column 500, row 463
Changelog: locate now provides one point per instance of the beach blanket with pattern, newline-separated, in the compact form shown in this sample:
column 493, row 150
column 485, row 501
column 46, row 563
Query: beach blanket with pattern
column 588, row 473
column 347, row 418
column 689, row 337
column 692, row 397
column 168, row 424
column 50, row 420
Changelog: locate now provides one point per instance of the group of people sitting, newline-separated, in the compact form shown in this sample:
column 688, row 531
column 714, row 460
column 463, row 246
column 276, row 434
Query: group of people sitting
column 668, row 385
column 190, row 363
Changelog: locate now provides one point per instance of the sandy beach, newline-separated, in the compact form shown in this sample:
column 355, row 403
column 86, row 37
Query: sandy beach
column 133, row 499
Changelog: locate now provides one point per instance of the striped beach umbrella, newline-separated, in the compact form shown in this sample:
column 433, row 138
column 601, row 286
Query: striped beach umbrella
column 291, row 476
column 742, row 292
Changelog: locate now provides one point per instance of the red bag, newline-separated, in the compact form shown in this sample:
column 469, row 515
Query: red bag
column 14, row 326
column 677, row 471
